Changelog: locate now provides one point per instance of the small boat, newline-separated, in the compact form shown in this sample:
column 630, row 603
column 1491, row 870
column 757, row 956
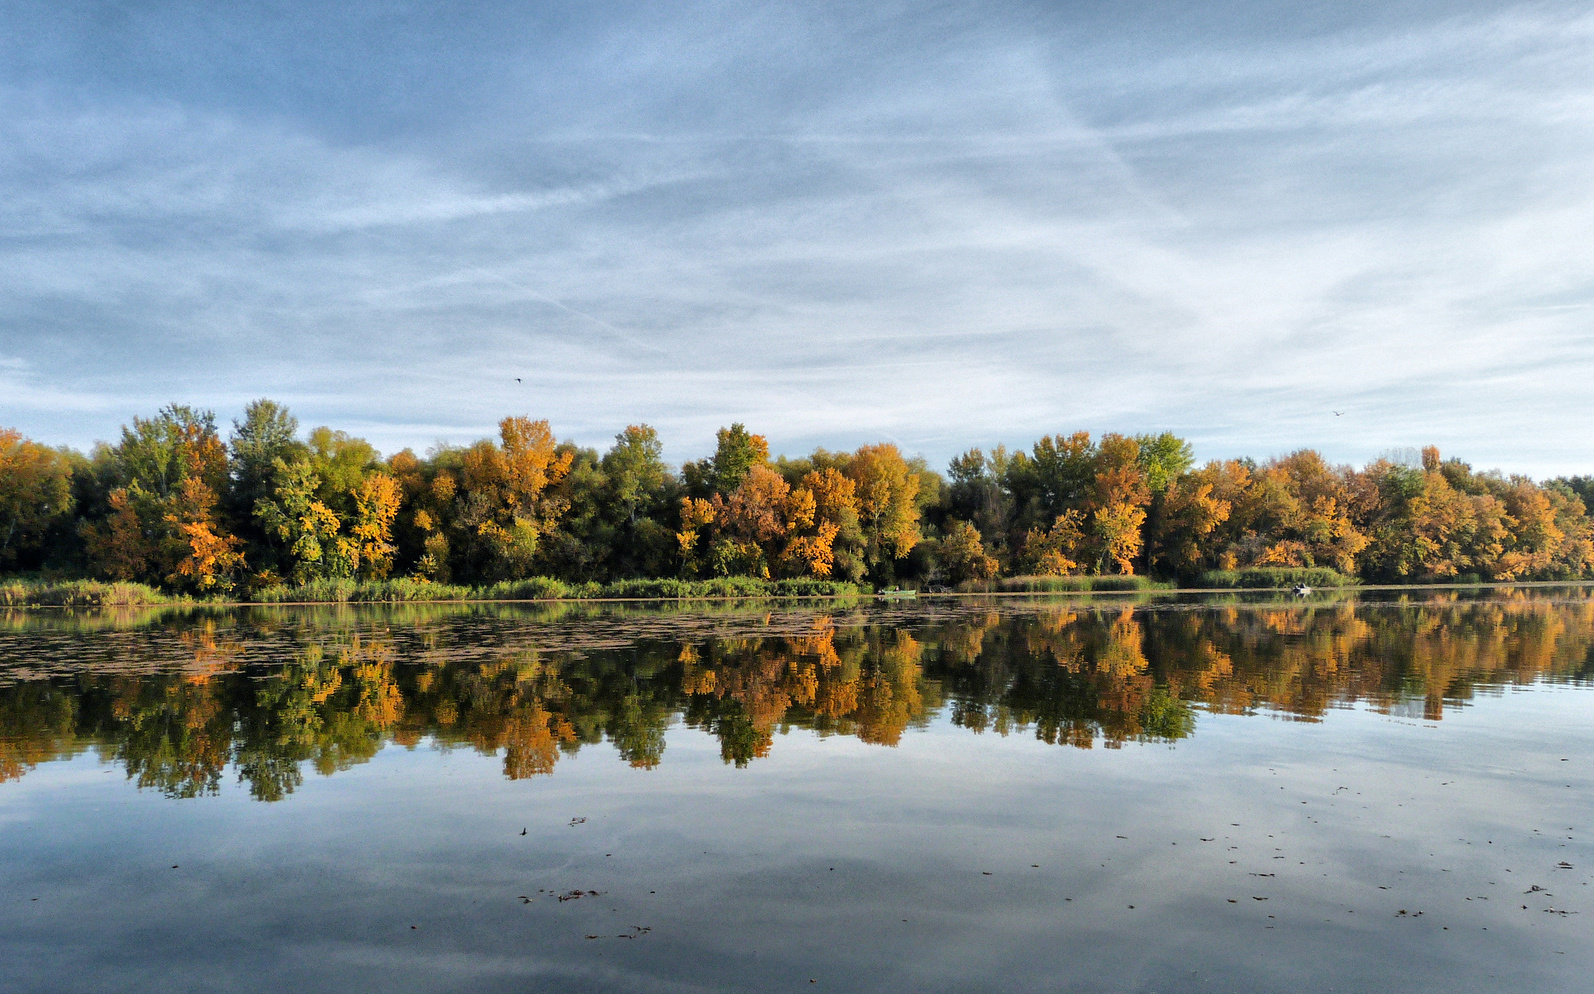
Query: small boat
column 1301, row 590
column 899, row 594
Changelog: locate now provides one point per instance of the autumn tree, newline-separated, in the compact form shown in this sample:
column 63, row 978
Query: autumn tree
column 330, row 512
column 752, row 524
column 376, row 504
column 35, row 498
column 429, row 505
column 887, row 491
column 162, row 524
column 1117, row 504
column 836, row 523
column 693, row 539
column 509, row 498
column 208, row 559
column 1188, row 514
column 963, row 556
column 768, row 528
column 1100, row 487
column 1059, row 550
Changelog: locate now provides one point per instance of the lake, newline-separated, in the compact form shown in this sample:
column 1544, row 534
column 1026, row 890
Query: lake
column 1368, row 791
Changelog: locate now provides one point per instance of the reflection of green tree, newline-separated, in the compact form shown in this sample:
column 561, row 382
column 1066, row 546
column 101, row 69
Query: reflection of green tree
column 176, row 736
column 741, row 740
column 638, row 730
column 329, row 709
column 1164, row 717
column 38, row 723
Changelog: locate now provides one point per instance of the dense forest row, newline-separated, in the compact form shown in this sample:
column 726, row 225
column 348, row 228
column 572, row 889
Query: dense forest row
column 1068, row 677
column 175, row 504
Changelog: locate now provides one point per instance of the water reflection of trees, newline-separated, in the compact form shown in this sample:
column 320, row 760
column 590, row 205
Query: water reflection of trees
column 1068, row 675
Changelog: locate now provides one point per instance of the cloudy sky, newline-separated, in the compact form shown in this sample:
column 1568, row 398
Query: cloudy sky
column 943, row 225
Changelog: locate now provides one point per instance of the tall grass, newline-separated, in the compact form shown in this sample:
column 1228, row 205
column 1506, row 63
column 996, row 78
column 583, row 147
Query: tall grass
column 1062, row 584
column 539, row 588
column 80, row 593
column 1275, row 577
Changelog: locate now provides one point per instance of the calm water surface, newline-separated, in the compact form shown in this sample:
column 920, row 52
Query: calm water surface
column 1376, row 792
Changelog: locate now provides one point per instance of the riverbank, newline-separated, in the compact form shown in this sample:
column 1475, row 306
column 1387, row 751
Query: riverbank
column 23, row 593
column 96, row 593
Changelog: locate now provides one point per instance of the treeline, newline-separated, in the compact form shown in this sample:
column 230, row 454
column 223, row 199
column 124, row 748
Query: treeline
column 176, row 504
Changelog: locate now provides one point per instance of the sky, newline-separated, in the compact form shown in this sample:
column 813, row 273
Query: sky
column 1344, row 225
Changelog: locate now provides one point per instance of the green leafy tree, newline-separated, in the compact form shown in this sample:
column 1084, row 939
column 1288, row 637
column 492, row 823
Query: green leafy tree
column 266, row 434
column 639, row 493
column 1163, row 459
column 161, row 523
column 307, row 529
column 737, row 451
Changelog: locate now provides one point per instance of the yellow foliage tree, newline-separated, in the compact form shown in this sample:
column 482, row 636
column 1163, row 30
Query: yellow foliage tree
column 1119, row 496
column 887, row 488
column 376, row 504
column 35, row 494
column 209, row 560
column 963, row 556
column 510, row 496
column 1057, row 550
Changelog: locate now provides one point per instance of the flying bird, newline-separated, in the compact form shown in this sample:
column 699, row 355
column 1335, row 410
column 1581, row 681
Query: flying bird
column 1337, row 414
column 517, row 379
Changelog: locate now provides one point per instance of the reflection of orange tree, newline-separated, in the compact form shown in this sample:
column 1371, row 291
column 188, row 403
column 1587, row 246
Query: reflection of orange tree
column 531, row 738
column 38, row 723
column 536, row 708
column 1073, row 675
column 1303, row 662
column 176, row 734
column 863, row 682
column 333, row 707
column 518, row 704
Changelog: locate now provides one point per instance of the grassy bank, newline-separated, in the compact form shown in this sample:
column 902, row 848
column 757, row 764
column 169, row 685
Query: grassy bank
column 544, row 588
column 1061, row 584
column 81, row 593
column 96, row 593
column 1274, row 578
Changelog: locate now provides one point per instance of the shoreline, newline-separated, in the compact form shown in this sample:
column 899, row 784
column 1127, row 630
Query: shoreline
column 860, row 596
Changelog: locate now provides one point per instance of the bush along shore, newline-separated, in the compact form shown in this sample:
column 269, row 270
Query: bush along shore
column 267, row 512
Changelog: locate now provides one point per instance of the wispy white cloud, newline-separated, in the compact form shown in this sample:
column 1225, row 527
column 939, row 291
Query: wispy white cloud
column 959, row 233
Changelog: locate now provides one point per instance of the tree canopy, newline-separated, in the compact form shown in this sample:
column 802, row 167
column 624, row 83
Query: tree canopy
column 175, row 504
